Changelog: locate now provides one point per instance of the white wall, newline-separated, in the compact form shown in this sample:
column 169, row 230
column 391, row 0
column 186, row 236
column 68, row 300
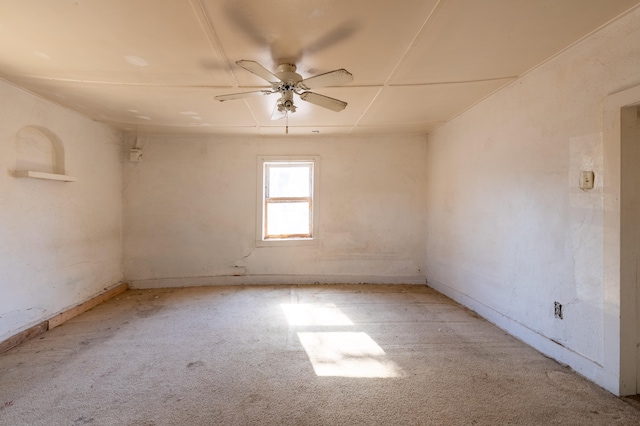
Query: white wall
column 509, row 230
column 60, row 243
column 190, row 212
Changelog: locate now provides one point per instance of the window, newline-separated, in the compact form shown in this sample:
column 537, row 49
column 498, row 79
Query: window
column 287, row 199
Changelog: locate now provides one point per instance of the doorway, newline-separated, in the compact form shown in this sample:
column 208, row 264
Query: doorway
column 621, row 183
column 630, row 236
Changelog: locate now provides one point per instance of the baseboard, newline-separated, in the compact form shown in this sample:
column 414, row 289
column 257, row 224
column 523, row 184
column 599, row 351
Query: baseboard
column 23, row 336
column 61, row 317
column 85, row 306
column 272, row 279
column 585, row 366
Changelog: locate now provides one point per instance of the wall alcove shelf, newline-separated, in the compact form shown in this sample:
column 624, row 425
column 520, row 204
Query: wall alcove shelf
column 42, row 175
column 40, row 155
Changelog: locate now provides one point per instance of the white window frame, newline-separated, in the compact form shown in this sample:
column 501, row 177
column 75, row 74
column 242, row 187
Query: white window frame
column 261, row 241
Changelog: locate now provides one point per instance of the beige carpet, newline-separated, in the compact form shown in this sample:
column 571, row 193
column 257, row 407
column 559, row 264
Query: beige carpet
column 283, row 355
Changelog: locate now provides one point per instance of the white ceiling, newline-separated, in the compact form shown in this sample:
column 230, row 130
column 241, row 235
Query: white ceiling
column 155, row 66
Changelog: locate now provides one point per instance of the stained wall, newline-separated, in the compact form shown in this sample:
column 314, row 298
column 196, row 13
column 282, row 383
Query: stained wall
column 60, row 242
column 190, row 212
column 509, row 231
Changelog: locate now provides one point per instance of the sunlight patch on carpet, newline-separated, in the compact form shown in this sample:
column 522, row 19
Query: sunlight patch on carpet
column 310, row 314
column 347, row 354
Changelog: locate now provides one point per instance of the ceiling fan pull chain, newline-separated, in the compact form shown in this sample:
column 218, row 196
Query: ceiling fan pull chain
column 286, row 117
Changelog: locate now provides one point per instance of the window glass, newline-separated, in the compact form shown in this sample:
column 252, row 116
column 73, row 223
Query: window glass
column 288, row 219
column 289, row 180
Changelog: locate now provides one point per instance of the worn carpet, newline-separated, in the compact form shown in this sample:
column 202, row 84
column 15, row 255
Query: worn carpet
column 292, row 355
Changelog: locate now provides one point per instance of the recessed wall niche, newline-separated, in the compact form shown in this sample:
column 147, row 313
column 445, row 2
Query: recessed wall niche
column 40, row 154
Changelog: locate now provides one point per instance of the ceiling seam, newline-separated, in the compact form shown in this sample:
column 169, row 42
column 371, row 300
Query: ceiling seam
column 444, row 83
column 105, row 83
column 400, row 61
column 212, row 37
column 427, row 21
column 357, row 123
column 402, row 124
column 215, row 43
column 173, row 86
column 255, row 119
column 184, row 126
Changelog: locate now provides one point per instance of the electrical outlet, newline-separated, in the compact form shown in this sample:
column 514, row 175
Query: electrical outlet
column 557, row 310
column 135, row 155
column 587, row 179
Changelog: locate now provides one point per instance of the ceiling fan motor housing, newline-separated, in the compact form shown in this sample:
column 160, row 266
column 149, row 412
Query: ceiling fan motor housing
column 288, row 76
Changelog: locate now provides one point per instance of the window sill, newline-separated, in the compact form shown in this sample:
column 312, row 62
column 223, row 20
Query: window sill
column 287, row 242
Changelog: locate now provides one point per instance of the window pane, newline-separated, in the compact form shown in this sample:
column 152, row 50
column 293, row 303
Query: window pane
column 289, row 180
column 288, row 218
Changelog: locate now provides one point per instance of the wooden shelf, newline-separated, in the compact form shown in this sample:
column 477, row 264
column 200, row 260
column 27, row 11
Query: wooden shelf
column 41, row 175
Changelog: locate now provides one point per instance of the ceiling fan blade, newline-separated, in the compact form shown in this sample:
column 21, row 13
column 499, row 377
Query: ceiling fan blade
column 323, row 101
column 259, row 70
column 331, row 78
column 232, row 96
column 333, row 37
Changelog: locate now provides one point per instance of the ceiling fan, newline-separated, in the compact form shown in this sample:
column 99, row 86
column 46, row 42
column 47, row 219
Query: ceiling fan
column 286, row 82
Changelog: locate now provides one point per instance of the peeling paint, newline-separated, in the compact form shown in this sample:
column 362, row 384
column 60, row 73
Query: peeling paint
column 135, row 60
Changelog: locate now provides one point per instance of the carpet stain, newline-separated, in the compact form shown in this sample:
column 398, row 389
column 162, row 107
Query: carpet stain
column 195, row 364
column 253, row 398
column 83, row 421
column 569, row 382
column 479, row 376
column 6, row 404
column 145, row 313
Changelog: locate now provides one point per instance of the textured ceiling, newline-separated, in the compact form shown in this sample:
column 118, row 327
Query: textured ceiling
column 155, row 66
